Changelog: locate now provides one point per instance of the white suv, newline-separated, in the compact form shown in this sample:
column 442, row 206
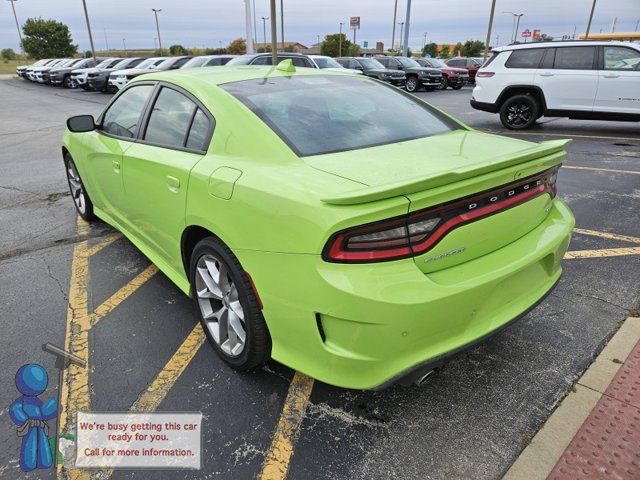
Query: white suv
column 594, row 80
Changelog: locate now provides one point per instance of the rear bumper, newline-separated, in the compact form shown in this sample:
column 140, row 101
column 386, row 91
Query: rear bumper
column 484, row 106
column 366, row 326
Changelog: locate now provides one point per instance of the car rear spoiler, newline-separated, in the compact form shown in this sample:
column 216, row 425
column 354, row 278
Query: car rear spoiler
column 550, row 152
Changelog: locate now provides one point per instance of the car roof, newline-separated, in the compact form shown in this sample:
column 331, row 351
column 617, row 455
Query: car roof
column 565, row 43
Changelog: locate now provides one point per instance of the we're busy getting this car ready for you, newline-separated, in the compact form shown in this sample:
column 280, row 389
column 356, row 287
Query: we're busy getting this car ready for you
column 330, row 221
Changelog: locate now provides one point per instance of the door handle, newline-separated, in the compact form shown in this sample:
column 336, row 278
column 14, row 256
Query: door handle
column 173, row 183
column 116, row 165
column 611, row 75
column 546, row 74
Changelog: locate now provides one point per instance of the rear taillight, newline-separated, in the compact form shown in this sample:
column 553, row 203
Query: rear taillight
column 418, row 232
column 485, row 74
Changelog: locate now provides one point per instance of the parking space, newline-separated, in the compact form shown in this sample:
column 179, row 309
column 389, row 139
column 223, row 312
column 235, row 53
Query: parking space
column 90, row 289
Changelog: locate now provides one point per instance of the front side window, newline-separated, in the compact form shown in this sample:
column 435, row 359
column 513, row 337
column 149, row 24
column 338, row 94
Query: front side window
column 123, row 115
column 574, row 58
column 215, row 62
column 350, row 112
column 170, row 119
column 196, row 62
column 621, row 58
column 526, row 58
column 370, row 63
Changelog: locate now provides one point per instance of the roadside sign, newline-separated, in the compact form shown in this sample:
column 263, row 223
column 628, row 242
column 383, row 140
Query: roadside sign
column 365, row 44
column 526, row 33
column 536, row 34
column 354, row 22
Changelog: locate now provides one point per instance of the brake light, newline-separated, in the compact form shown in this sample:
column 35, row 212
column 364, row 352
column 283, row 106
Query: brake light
column 485, row 74
column 416, row 233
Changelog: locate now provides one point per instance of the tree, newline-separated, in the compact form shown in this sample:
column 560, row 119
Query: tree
column 430, row 49
column 8, row 54
column 177, row 50
column 457, row 50
column 47, row 38
column 331, row 46
column 445, row 52
column 215, row 51
column 472, row 48
column 237, row 47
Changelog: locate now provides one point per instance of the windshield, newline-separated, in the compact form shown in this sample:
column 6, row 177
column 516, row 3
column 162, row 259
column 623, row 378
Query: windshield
column 408, row 62
column 370, row 63
column 165, row 64
column 146, row 63
column 71, row 63
column 436, row 62
column 104, row 63
column 350, row 112
column 326, row 62
column 121, row 64
column 243, row 60
column 196, row 62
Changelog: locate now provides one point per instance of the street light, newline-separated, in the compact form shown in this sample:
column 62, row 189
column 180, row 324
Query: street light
column 17, row 23
column 425, row 41
column 393, row 32
column 156, row 11
column 340, row 40
column 282, row 23
column 264, row 31
column 405, row 38
column 86, row 17
column 401, row 30
column 124, row 44
column 514, row 36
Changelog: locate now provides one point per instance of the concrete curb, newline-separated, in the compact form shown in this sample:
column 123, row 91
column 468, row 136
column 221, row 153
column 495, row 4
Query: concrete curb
column 540, row 457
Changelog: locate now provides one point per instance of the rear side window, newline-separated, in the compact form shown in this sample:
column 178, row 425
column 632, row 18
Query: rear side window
column 574, row 58
column 527, row 58
column 123, row 115
column 170, row 119
column 493, row 56
column 198, row 132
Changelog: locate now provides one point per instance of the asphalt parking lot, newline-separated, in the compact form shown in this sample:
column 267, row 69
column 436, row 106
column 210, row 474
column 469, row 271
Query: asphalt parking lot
column 146, row 352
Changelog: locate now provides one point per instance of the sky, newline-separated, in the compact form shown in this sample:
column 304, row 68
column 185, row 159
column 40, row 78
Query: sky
column 212, row 23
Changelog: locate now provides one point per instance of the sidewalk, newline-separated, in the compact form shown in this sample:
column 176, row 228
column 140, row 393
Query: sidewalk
column 595, row 432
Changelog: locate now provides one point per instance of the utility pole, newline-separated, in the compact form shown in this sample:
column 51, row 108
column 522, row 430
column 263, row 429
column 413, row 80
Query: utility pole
column 486, row 43
column 247, row 25
column 13, row 7
column 86, row 17
column 106, row 42
column 514, row 34
column 318, row 41
column 282, row 23
column 264, row 31
column 593, row 7
column 515, row 37
column 155, row 45
column 393, row 32
column 340, row 40
column 405, row 41
column 637, row 25
column 425, row 41
column 156, row 11
column 274, row 34
column 401, row 37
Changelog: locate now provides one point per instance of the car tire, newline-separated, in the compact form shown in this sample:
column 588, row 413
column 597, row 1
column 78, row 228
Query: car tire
column 412, row 84
column 519, row 112
column 67, row 82
column 79, row 195
column 229, row 308
column 445, row 83
column 457, row 87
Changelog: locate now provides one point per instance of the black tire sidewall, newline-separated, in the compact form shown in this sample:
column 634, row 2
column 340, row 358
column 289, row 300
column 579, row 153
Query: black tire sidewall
column 518, row 99
column 257, row 347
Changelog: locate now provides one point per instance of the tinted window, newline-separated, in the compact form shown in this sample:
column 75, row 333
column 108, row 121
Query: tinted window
column 493, row 56
column 549, row 58
column 384, row 61
column 262, row 61
column 621, row 58
column 223, row 61
column 527, row 58
column 214, row 61
column 198, row 132
column 457, row 63
column 350, row 112
column 575, row 58
column 298, row 62
column 343, row 62
column 169, row 119
column 124, row 114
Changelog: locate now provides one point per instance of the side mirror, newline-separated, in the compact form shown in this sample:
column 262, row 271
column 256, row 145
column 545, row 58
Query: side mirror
column 81, row 123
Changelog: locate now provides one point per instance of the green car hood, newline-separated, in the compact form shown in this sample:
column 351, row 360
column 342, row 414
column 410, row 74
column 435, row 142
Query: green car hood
column 408, row 167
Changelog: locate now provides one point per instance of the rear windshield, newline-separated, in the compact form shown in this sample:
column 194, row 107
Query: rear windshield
column 323, row 114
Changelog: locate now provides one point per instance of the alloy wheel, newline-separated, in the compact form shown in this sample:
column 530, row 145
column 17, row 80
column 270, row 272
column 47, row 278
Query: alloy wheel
column 519, row 114
column 77, row 190
column 412, row 84
column 220, row 305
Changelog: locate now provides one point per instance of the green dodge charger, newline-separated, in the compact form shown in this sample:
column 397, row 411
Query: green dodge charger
column 329, row 221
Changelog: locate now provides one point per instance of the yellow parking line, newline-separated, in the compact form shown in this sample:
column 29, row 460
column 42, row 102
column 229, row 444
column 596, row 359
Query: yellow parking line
column 157, row 390
column 613, row 170
column 613, row 236
column 108, row 240
column 604, row 252
column 121, row 295
column 74, row 395
column 276, row 462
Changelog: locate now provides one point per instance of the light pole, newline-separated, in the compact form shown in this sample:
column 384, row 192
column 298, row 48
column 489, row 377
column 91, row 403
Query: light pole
column 401, row 30
column 155, row 44
column 156, row 11
column 274, row 34
column 264, row 31
column 393, row 32
column 124, row 44
column 514, row 35
column 486, row 43
column 405, row 39
column 593, row 7
column 340, row 40
column 18, row 24
column 86, row 17
column 106, row 42
column 425, row 41
column 282, row 23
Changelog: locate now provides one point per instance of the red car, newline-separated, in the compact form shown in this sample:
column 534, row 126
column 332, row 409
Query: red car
column 471, row 64
column 453, row 77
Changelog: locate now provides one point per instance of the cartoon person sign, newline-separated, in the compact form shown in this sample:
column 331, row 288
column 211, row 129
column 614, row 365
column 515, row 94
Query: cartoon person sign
column 31, row 415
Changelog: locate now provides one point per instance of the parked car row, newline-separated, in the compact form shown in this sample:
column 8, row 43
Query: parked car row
column 111, row 74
